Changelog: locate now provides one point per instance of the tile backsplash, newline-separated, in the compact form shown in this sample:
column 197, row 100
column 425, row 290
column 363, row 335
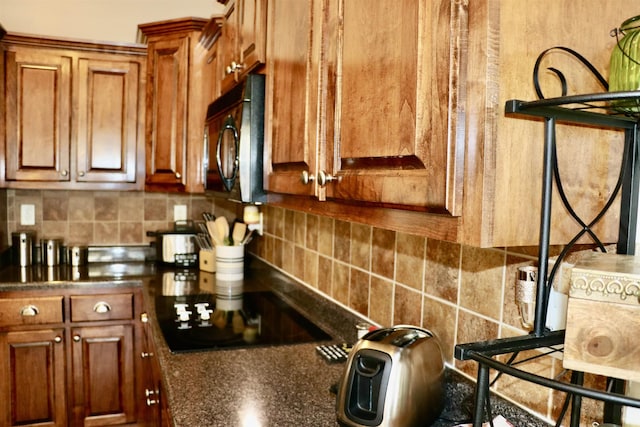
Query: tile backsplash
column 462, row 293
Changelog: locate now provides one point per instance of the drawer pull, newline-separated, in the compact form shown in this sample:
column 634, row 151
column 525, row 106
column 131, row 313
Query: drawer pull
column 57, row 339
column 146, row 354
column 29, row 311
column 76, row 338
column 102, row 307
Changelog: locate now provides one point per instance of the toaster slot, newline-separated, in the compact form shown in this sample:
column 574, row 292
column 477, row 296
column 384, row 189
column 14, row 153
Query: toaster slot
column 367, row 387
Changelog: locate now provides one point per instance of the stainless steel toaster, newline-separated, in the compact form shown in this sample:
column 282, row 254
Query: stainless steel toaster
column 393, row 377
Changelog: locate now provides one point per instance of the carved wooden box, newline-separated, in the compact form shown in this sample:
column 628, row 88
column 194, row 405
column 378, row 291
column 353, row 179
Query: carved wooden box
column 603, row 316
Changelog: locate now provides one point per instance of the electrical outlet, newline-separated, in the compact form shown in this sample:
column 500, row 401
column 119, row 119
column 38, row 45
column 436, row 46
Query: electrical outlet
column 27, row 215
column 180, row 213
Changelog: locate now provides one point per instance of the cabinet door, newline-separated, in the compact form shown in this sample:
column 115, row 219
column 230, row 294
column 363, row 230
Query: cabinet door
column 109, row 120
column 32, row 378
column 252, row 24
column 38, row 111
column 291, row 135
column 166, row 111
column 103, row 375
column 393, row 137
column 229, row 55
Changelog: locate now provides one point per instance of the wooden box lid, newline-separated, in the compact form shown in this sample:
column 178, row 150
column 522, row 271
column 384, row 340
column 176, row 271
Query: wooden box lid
column 607, row 277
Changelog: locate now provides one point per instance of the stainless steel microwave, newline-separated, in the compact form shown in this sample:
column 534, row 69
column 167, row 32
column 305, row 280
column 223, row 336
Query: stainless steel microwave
column 234, row 143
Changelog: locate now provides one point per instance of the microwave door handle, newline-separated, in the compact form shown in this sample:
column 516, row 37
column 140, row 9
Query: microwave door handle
column 228, row 182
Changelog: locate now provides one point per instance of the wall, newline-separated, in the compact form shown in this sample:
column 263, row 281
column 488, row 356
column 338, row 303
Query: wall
column 461, row 293
column 104, row 20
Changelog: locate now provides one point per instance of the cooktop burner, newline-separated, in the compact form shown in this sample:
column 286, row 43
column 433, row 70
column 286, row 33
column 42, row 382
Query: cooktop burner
column 208, row 321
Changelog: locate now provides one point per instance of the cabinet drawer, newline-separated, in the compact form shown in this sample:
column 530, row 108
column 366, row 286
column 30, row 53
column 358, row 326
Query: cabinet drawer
column 101, row 307
column 30, row 311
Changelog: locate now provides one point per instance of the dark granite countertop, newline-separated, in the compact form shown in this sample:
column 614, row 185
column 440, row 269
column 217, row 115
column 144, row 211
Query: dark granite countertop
column 268, row 386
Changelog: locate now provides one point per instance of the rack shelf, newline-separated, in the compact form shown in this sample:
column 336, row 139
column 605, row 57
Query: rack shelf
column 611, row 110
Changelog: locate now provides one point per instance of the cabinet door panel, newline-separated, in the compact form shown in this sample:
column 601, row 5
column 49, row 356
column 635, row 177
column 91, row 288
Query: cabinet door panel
column 252, row 27
column 108, row 120
column 38, row 87
column 32, row 380
column 291, row 101
column 166, row 124
column 103, row 369
column 394, row 139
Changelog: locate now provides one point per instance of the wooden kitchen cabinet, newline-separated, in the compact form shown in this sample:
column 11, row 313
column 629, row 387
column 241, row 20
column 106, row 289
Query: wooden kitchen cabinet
column 210, row 39
column 243, row 39
column 176, row 105
column 33, row 378
column 402, row 127
column 292, row 86
column 73, row 114
column 70, row 358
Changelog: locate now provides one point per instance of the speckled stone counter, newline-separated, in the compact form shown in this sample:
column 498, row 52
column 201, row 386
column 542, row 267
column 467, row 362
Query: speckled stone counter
column 284, row 385
column 264, row 386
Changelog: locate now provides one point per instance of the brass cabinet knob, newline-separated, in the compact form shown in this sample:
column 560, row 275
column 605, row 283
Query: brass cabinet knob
column 81, row 173
column 64, row 172
column 29, row 311
column 306, row 177
column 145, row 354
column 57, row 339
column 178, row 175
column 325, row 178
column 76, row 338
column 102, row 307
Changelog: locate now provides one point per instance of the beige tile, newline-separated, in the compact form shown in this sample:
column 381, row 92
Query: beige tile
column 325, row 268
column 106, row 233
column 361, row 246
column 55, row 207
column 132, row 208
column 325, row 236
column 440, row 318
column 276, row 251
column 359, row 291
column 289, row 228
column 106, row 208
column 155, row 209
column 381, row 295
column 442, row 270
column 298, row 262
column 276, row 221
column 288, row 260
column 53, row 230
column 383, row 252
column 471, row 329
column 131, row 233
column 312, row 232
column 481, row 281
column 81, row 233
column 81, row 207
column 311, row 268
column 340, row 283
column 407, row 306
column 342, row 241
column 410, row 252
column 300, row 228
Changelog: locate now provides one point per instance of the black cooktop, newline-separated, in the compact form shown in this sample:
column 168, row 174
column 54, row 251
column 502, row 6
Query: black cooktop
column 207, row 321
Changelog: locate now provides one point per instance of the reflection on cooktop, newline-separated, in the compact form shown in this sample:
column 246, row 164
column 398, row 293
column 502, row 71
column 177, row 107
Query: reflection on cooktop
column 212, row 322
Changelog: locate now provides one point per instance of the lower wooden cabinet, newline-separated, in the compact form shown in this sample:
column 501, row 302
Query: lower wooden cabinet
column 58, row 371
column 32, row 378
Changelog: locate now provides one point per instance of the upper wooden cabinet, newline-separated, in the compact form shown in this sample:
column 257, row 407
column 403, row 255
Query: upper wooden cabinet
column 73, row 114
column 393, row 114
column 243, row 39
column 176, row 104
column 292, row 141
